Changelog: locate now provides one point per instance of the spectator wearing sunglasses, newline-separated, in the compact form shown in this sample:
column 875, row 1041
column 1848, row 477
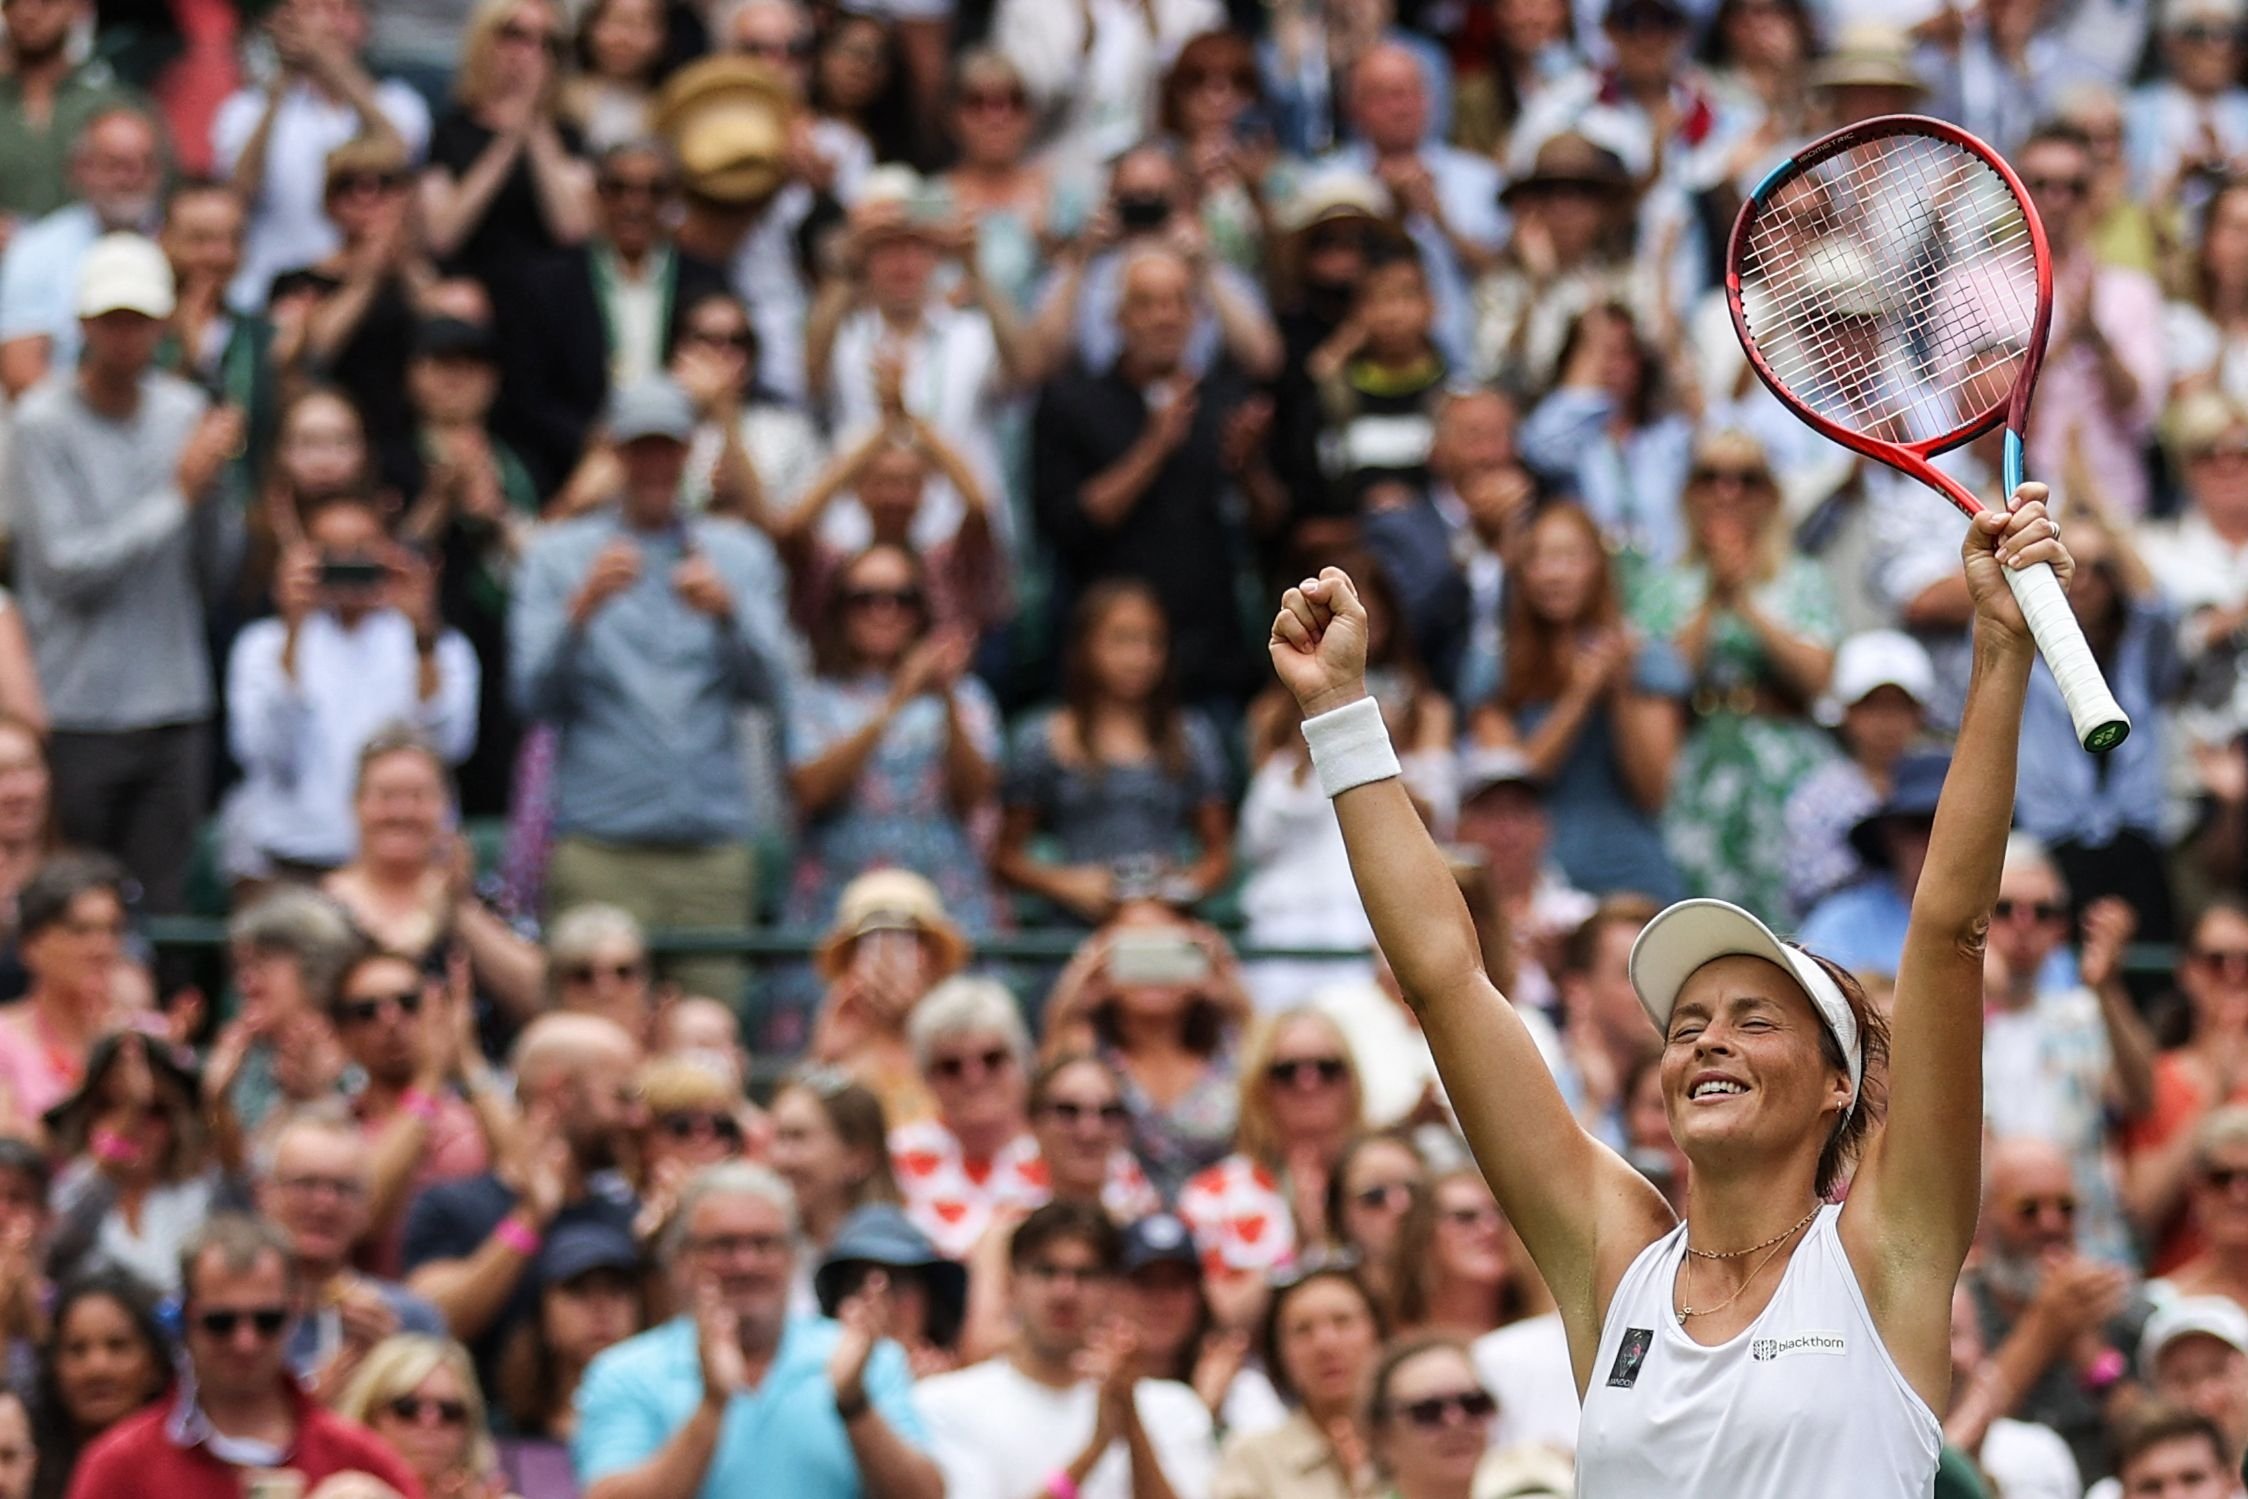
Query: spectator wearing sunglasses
column 2064, row 1057
column 1460, row 1269
column 597, row 963
column 1300, row 1104
column 396, row 1031
column 2186, row 127
column 2218, row 1200
column 272, row 140
column 235, row 1408
column 1374, row 1184
column 977, row 1156
column 2209, row 1069
column 1428, row 1420
column 2058, row 1321
column 419, row 1395
column 697, row 1117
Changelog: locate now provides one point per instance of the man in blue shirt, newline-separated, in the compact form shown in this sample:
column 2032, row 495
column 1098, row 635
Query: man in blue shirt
column 641, row 633
column 737, row 1396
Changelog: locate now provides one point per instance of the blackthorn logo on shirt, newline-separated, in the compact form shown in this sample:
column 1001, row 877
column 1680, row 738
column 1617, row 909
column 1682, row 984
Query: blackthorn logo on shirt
column 1765, row 1350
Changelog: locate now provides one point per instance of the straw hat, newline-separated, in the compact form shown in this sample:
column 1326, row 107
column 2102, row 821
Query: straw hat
column 1870, row 55
column 891, row 900
column 726, row 120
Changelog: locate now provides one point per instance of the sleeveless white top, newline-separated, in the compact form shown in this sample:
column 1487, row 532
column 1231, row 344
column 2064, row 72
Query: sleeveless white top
column 1804, row 1401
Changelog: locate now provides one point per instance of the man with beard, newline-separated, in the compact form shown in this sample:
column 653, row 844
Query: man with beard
column 737, row 1396
column 115, row 170
column 46, row 99
column 471, row 1244
column 2055, row 1319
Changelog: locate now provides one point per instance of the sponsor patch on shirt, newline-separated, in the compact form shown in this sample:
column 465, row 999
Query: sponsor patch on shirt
column 1766, row 1350
column 1629, row 1357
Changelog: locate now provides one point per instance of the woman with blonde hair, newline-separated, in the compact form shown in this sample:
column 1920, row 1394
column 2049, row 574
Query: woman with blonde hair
column 419, row 1394
column 1301, row 1101
column 1757, row 627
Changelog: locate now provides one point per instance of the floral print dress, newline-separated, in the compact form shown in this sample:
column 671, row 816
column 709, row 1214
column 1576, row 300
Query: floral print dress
column 1726, row 821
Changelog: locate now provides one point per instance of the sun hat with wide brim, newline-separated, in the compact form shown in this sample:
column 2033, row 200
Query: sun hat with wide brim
column 1870, row 55
column 726, row 120
column 891, row 900
column 1571, row 160
column 880, row 1236
column 1675, row 945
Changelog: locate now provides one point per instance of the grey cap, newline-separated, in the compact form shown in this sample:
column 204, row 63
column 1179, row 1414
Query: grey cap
column 654, row 407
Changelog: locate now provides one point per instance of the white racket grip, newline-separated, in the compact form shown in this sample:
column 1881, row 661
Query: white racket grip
column 2101, row 723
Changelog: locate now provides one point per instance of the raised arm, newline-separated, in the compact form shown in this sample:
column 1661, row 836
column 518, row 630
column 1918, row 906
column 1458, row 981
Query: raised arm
column 1911, row 1214
column 1581, row 1210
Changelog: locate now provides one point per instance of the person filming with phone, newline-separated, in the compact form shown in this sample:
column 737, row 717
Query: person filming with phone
column 355, row 643
column 1160, row 998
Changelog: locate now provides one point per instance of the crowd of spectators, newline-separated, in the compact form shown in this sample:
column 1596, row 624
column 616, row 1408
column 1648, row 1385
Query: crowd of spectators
column 684, row 580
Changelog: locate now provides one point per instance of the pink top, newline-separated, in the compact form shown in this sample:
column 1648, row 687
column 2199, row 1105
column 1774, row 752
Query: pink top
column 2071, row 398
column 455, row 1148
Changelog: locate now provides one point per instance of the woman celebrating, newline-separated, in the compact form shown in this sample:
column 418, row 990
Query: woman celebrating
column 1773, row 1070
column 1756, row 626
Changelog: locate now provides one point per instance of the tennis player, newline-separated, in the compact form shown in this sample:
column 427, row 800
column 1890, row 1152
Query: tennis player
column 1774, row 1345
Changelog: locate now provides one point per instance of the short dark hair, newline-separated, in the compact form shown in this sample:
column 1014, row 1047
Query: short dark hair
column 1057, row 1222
column 47, row 896
column 18, row 1154
column 2055, row 133
column 2157, row 1423
column 1042, row 1081
column 1343, row 1272
column 1581, row 948
column 240, row 1240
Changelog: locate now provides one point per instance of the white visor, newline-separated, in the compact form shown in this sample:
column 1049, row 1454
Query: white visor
column 1693, row 932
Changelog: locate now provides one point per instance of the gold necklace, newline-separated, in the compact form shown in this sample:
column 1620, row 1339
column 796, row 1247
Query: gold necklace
column 1735, row 1254
column 1771, row 1248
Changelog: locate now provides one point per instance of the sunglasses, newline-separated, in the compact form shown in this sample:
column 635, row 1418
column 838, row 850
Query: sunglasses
column 713, row 338
column 2232, row 962
column 700, row 1126
column 995, row 101
column 896, row 598
column 2229, row 453
column 1384, row 1195
column 2223, row 1178
column 1712, row 473
column 633, row 187
column 221, row 1322
column 365, row 1010
column 1068, row 1111
column 1436, row 1410
column 2075, row 187
column 1480, row 1217
column 2040, row 910
column 2202, row 31
column 2030, row 1209
column 791, row 51
column 1321, row 241
column 530, row 36
column 1646, row 21
column 346, row 184
column 1297, row 1071
column 586, row 973
column 953, row 1068
column 414, row 1408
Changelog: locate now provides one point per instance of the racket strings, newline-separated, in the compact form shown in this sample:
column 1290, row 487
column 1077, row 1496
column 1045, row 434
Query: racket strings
column 1892, row 286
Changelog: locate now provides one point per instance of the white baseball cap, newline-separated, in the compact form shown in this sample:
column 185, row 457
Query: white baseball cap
column 2218, row 1317
column 1693, row 932
column 125, row 273
column 1875, row 659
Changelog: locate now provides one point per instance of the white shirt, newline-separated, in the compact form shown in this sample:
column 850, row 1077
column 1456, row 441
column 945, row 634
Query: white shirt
column 298, row 739
column 288, row 225
column 951, row 379
column 1805, row 1393
column 996, row 1432
column 1104, row 84
column 2024, row 1460
column 1527, row 1367
column 2196, row 568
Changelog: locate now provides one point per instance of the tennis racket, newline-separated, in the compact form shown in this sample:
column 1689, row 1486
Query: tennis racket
column 1891, row 283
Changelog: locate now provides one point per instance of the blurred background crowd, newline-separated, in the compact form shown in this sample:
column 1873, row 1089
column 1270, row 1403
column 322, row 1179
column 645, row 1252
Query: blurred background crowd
column 645, row 844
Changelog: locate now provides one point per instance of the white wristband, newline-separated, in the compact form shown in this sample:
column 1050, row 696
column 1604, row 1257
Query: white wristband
column 1350, row 746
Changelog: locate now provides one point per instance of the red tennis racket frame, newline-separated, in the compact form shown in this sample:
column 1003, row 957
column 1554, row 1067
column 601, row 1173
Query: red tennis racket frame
column 1911, row 457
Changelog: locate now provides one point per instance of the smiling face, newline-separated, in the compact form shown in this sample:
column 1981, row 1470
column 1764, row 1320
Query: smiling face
column 103, row 1370
column 402, row 806
column 24, row 785
column 978, row 1083
column 625, row 39
column 322, row 449
column 1128, row 648
column 427, row 1425
column 1745, row 1075
column 2208, row 1376
column 1308, row 1080
column 1560, row 565
column 883, row 605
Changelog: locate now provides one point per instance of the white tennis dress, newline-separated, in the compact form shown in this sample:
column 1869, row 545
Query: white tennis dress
column 1804, row 1404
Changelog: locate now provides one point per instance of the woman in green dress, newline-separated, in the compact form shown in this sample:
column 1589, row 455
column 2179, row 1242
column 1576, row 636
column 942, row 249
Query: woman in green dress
column 1756, row 625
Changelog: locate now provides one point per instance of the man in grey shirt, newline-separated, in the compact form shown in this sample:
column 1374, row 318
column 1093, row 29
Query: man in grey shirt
column 122, row 536
column 640, row 633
